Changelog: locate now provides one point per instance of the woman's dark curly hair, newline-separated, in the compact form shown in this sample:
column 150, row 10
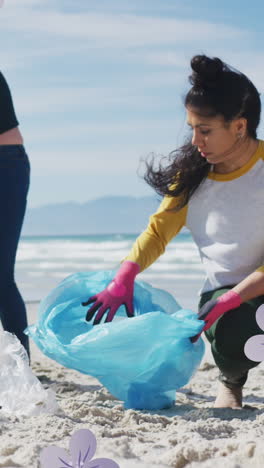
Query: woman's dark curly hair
column 217, row 90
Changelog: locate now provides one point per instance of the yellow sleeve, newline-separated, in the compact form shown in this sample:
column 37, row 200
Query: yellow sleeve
column 162, row 227
column 260, row 269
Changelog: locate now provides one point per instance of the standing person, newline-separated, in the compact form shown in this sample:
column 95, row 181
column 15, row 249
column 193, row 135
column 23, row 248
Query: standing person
column 214, row 186
column 14, row 184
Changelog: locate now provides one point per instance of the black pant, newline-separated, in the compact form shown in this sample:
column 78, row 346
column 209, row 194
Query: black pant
column 228, row 336
column 14, row 184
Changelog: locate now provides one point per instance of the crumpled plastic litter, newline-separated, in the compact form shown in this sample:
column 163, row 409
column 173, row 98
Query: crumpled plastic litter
column 21, row 393
column 141, row 360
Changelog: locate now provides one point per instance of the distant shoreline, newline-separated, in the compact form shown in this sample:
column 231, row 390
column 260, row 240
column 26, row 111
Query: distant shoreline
column 107, row 234
column 184, row 230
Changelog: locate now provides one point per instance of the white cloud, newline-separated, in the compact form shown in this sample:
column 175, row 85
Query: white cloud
column 168, row 57
column 10, row 4
column 90, row 161
column 63, row 99
column 69, row 131
column 108, row 30
column 14, row 57
column 139, row 64
column 101, row 159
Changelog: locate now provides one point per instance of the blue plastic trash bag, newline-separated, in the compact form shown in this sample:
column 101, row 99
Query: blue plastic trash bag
column 141, row 360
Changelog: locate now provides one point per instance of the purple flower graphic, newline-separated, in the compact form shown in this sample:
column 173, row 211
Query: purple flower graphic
column 254, row 347
column 82, row 450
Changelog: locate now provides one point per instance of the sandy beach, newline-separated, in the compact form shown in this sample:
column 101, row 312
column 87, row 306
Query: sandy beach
column 191, row 434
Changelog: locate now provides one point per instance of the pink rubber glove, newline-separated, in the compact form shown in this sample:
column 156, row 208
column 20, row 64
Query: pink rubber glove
column 213, row 309
column 119, row 292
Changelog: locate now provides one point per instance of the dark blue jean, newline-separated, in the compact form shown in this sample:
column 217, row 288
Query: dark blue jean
column 14, row 184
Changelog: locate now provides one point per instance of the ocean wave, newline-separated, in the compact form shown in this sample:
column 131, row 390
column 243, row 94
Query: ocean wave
column 43, row 262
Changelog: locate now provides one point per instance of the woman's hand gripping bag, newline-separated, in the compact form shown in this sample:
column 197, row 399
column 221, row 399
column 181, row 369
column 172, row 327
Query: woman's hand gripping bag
column 141, row 360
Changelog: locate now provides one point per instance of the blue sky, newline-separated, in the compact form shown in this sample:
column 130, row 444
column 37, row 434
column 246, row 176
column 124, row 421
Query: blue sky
column 98, row 84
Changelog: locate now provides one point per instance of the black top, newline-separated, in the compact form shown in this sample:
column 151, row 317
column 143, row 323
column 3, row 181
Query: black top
column 8, row 118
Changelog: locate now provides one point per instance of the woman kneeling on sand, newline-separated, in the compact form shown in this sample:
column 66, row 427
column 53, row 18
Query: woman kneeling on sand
column 213, row 185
